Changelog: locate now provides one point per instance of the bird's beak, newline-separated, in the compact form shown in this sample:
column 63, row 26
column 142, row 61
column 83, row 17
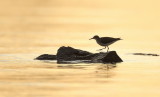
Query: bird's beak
column 91, row 39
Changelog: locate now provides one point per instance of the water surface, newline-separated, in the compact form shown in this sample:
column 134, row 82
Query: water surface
column 29, row 28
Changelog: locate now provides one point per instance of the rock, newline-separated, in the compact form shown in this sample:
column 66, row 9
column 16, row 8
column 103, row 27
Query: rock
column 70, row 55
column 144, row 54
column 46, row 57
column 110, row 57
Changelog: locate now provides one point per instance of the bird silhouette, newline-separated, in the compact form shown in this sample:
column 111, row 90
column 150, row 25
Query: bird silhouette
column 105, row 41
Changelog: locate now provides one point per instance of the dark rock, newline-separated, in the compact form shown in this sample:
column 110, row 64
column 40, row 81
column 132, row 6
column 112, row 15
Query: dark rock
column 144, row 54
column 71, row 54
column 110, row 57
column 46, row 57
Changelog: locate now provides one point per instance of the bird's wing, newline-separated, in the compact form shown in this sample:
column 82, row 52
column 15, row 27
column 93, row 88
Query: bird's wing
column 108, row 39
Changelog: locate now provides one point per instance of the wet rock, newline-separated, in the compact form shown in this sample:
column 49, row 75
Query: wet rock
column 69, row 55
column 144, row 54
column 110, row 57
column 46, row 57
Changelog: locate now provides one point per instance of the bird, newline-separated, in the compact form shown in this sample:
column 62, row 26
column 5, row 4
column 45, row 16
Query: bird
column 105, row 41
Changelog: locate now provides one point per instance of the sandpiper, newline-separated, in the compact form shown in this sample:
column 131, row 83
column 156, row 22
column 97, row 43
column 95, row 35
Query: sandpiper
column 105, row 41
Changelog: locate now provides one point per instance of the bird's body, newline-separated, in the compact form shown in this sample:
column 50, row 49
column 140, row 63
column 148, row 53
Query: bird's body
column 105, row 41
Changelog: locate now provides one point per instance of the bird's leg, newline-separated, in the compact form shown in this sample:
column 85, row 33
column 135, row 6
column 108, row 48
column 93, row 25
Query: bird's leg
column 107, row 49
column 101, row 49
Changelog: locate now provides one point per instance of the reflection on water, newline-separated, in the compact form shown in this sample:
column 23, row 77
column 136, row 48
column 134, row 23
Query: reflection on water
column 106, row 66
column 29, row 28
column 46, row 78
column 104, row 70
column 83, row 66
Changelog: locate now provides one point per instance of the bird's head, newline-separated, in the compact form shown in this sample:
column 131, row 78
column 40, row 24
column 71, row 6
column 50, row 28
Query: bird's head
column 95, row 37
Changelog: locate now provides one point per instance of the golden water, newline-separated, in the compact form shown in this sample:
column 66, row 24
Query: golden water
column 29, row 28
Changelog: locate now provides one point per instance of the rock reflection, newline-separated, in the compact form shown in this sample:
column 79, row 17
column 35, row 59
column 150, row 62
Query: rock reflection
column 105, row 71
column 93, row 70
column 100, row 70
column 70, row 67
column 106, row 66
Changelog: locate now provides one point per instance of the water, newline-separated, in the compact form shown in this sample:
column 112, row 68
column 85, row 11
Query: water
column 21, row 75
column 30, row 28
